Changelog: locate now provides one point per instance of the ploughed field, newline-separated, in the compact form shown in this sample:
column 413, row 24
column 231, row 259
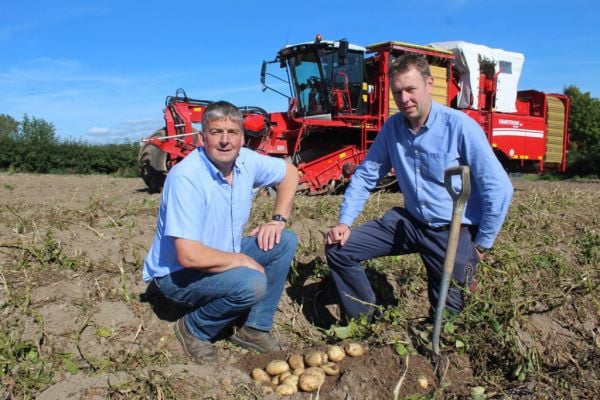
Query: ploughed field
column 77, row 321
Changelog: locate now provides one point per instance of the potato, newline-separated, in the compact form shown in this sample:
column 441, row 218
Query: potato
column 309, row 382
column 290, row 380
column 330, row 368
column 354, row 349
column 336, row 353
column 423, row 382
column 284, row 375
column 298, row 371
column 260, row 375
column 277, row 367
column 296, row 361
column 315, row 371
column 314, row 358
column 285, row 390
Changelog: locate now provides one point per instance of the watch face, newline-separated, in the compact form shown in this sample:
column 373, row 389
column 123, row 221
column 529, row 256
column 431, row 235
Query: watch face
column 279, row 217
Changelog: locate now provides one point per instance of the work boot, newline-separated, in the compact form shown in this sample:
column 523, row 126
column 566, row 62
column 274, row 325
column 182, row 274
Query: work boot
column 199, row 350
column 253, row 339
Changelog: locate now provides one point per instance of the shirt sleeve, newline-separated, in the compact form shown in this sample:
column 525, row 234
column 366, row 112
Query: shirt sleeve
column 492, row 182
column 185, row 209
column 374, row 167
column 268, row 171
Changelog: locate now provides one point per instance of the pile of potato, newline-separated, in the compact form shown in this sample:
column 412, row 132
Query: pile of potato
column 304, row 372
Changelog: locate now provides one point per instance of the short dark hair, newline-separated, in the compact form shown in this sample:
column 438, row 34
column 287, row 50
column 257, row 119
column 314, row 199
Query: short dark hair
column 407, row 61
column 221, row 110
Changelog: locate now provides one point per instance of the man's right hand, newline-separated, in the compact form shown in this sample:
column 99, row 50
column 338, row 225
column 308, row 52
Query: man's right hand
column 338, row 234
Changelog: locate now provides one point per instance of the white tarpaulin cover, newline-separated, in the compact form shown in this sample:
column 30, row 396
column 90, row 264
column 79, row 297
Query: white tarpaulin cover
column 468, row 58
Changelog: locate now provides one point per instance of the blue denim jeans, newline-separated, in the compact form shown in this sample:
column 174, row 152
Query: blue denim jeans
column 217, row 300
column 397, row 232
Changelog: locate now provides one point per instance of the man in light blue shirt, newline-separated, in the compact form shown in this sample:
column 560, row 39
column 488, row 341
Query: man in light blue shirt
column 419, row 143
column 199, row 258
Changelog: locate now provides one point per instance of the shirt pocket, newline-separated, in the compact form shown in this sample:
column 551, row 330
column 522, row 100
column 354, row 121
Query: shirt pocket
column 434, row 165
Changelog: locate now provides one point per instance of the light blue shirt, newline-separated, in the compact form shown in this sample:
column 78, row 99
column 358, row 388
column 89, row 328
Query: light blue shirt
column 448, row 138
column 198, row 204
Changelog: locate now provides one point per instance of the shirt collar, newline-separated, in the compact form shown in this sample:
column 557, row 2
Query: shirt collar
column 214, row 171
column 433, row 112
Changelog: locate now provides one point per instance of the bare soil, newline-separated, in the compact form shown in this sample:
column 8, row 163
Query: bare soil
column 77, row 321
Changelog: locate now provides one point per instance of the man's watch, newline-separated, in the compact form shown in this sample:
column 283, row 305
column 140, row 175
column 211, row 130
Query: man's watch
column 482, row 249
column 279, row 217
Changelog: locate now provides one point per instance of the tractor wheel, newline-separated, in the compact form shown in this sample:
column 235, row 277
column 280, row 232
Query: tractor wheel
column 152, row 164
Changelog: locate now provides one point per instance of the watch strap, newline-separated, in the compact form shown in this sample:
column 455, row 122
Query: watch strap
column 279, row 217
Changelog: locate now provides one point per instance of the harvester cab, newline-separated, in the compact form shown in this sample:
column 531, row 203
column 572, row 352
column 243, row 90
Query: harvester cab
column 325, row 78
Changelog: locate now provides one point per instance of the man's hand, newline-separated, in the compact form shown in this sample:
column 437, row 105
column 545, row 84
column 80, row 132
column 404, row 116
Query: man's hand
column 338, row 234
column 268, row 235
column 480, row 254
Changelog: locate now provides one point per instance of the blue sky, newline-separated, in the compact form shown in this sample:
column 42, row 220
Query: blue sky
column 100, row 70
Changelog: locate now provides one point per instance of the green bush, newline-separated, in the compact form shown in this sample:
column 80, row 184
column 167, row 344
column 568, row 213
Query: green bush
column 32, row 146
column 584, row 133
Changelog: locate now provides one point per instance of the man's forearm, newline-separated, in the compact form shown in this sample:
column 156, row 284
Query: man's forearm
column 195, row 255
column 286, row 190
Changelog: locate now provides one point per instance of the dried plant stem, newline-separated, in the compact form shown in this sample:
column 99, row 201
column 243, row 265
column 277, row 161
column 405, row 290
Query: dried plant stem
column 401, row 380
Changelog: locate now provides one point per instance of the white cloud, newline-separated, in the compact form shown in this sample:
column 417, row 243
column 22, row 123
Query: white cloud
column 117, row 107
column 97, row 131
column 54, row 72
column 129, row 131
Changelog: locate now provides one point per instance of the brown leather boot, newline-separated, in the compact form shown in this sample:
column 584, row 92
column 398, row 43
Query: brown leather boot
column 199, row 350
column 253, row 339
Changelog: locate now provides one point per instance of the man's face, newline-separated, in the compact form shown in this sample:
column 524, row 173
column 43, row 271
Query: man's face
column 412, row 94
column 223, row 139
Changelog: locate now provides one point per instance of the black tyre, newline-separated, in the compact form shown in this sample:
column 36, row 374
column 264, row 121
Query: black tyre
column 152, row 164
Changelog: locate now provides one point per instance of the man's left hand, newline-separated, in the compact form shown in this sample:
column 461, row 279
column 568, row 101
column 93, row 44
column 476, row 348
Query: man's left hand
column 480, row 253
column 268, row 235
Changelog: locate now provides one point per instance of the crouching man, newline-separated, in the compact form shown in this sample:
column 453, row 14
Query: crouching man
column 199, row 258
column 419, row 143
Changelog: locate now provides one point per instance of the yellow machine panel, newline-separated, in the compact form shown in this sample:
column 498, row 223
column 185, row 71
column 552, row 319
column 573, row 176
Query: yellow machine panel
column 555, row 121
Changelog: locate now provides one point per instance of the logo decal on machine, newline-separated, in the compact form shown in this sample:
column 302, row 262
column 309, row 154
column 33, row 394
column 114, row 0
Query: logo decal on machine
column 512, row 122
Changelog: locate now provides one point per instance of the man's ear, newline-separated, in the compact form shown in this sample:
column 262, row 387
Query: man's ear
column 429, row 84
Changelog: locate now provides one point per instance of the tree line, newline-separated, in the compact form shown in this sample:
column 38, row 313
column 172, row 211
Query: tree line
column 583, row 158
column 32, row 145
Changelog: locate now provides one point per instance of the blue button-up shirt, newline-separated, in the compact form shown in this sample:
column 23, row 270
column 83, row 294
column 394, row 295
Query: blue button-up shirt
column 448, row 138
column 199, row 204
